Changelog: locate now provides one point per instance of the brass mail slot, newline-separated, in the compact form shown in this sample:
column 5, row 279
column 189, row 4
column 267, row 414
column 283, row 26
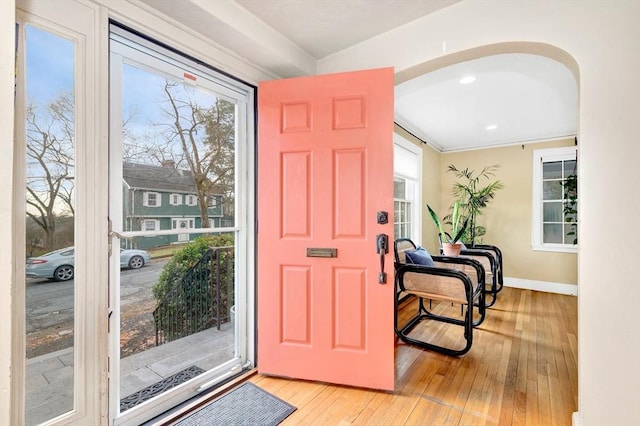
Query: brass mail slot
column 322, row 252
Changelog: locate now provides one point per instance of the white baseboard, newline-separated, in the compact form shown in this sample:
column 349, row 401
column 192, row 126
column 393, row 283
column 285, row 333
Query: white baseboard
column 549, row 287
column 576, row 419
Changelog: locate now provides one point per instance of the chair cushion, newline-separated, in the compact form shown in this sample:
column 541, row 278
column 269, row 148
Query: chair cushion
column 419, row 256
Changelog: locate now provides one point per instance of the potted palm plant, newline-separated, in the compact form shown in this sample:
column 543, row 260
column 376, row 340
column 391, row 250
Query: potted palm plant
column 473, row 193
column 451, row 245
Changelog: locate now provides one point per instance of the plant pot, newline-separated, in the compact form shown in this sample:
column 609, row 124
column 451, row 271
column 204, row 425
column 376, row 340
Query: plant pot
column 451, row 249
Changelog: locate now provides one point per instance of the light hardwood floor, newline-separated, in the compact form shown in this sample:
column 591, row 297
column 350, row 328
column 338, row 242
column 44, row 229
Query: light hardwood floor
column 521, row 370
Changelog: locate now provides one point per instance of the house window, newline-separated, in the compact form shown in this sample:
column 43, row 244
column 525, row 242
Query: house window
column 152, row 199
column 407, row 169
column 150, row 225
column 191, row 200
column 555, row 217
column 175, row 199
column 402, row 205
column 213, row 201
column 183, row 223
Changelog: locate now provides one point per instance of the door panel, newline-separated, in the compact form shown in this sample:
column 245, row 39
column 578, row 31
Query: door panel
column 325, row 168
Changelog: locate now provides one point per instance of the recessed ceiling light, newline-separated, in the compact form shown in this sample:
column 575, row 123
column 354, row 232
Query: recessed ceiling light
column 491, row 127
column 468, row 79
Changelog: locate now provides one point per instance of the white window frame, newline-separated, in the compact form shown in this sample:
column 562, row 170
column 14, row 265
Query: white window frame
column 145, row 200
column 541, row 156
column 82, row 23
column 175, row 203
column 191, row 200
column 191, row 223
column 408, row 165
column 408, row 204
column 156, row 225
column 213, row 201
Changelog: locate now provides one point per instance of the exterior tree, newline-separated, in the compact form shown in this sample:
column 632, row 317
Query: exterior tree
column 206, row 137
column 220, row 125
column 50, row 163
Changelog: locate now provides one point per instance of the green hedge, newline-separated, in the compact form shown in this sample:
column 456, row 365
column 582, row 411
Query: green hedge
column 175, row 269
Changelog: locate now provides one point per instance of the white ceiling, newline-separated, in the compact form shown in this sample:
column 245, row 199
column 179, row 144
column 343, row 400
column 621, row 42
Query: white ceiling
column 528, row 98
column 323, row 27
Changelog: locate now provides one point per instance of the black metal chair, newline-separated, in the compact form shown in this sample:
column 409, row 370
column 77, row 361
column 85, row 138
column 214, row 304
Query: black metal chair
column 491, row 258
column 453, row 280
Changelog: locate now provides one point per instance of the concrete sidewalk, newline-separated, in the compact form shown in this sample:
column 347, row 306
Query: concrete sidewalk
column 49, row 381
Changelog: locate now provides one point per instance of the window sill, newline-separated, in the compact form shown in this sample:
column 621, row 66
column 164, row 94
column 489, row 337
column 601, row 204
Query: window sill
column 555, row 248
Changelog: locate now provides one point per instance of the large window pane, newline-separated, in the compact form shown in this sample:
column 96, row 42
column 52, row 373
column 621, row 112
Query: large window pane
column 174, row 165
column 50, row 210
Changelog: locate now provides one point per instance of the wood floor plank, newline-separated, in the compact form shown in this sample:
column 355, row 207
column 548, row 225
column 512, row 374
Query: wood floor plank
column 521, row 370
column 544, row 402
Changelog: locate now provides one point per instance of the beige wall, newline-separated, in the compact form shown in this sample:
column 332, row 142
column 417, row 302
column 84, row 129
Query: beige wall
column 599, row 41
column 508, row 217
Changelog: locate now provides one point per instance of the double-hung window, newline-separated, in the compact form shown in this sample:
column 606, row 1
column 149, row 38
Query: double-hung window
column 403, row 207
column 150, row 225
column 407, row 165
column 175, row 199
column 152, row 199
column 191, row 200
column 555, row 209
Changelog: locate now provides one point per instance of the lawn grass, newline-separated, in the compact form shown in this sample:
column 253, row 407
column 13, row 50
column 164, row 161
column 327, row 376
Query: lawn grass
column 164, row 251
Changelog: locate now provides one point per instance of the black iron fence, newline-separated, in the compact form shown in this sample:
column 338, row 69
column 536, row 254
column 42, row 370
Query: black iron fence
column 201, row 300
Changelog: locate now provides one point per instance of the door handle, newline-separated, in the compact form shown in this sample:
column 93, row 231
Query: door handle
column 382, row 247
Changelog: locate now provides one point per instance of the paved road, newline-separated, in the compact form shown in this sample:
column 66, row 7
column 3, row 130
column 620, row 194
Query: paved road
column 50, row 303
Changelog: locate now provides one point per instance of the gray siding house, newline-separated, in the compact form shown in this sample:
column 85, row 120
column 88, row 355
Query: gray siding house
column 160, row 198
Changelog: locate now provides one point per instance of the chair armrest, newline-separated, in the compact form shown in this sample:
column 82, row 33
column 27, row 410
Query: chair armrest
column 496, row 252
column 446, row 267
column 436, row 283
column 461, row 263
column 487, row 259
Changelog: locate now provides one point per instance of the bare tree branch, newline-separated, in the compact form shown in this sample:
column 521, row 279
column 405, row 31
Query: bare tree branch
column 50, row 164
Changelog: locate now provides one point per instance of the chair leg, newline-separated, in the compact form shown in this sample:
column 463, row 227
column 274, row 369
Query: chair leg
column 422, row 315
column 493, row 292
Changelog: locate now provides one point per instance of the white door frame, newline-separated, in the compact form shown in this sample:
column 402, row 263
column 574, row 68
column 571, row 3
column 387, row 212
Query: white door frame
column 173, row 66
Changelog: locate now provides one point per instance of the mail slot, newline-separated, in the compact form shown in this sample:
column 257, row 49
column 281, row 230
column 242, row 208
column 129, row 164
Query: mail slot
column 322, row 252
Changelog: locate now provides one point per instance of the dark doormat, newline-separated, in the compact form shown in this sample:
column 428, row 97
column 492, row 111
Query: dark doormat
column 245, row 405
column 157, row 388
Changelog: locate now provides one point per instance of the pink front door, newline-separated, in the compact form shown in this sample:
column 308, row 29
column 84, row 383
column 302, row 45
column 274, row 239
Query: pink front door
column 325, row 168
